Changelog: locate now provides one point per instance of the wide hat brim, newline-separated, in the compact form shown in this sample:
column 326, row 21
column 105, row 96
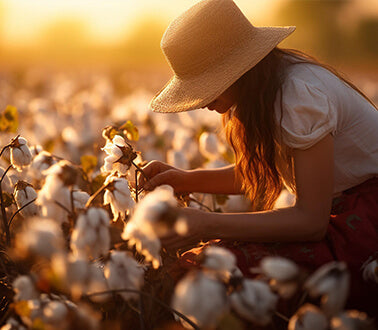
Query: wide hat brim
column 195, row 92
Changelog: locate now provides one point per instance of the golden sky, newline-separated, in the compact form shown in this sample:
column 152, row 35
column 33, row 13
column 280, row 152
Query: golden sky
column 106, row 20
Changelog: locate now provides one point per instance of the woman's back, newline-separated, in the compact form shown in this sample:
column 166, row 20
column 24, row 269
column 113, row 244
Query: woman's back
column 315, row 103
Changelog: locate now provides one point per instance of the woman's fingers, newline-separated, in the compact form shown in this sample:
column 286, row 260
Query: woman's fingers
column 159, row 179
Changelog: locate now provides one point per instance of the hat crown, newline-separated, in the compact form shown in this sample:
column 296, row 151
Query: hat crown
column 203, row 35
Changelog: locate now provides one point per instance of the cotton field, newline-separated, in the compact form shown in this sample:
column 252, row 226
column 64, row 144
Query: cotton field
column 80, row 241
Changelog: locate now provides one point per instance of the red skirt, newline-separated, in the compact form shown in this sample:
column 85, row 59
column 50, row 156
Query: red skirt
column 352, row 236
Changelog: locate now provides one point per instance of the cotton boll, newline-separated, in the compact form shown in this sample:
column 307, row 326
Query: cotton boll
column 80, row 198
column 39, row 237
column 145, row 241
column 123, row 272
column 352, row 320
column 254, row 301
column 285, row 199
column 6, row 184
column 41, row 162
column 331, row 283
column 177, row 159
column 201, row 298
column 118, row 195
column 219, row 259
column 91, row 235
column 119, row 156
column 209, row 145
column 24, row 288
column 20, row 155
column 23, row 194
column 279, row 268
column 55, row 313
column 184, row 141
column 236, row 203
column 370, row 270
column 308, row 317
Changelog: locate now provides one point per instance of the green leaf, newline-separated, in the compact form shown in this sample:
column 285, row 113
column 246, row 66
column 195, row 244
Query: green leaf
column 131, row 131
column 88, row 163
column 9, row 119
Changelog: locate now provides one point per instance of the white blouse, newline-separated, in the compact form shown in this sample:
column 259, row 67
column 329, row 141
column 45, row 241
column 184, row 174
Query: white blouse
column 315, row 103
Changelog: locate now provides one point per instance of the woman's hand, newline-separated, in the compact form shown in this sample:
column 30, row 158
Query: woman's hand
column 160, row 173
column 196, row 231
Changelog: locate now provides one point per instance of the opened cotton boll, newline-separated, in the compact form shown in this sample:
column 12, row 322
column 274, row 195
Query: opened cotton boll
column 254, row 301
column 24, row 193
column 20, row 155
column 91, row 235
column 123, row 272
column 308, row 317
column 331, row 283
column 201, row 298
column 209, row 146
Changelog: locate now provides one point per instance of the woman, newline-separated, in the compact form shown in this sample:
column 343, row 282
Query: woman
column 289, row 120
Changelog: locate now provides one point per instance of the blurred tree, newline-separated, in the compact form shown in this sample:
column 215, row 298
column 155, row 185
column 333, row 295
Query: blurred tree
column 143, row 43
column 318, row 28
column 2, row 14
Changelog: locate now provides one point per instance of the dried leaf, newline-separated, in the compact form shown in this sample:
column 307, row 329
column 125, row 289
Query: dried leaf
column 88, row 163
column 131, row 131
column 9, row 119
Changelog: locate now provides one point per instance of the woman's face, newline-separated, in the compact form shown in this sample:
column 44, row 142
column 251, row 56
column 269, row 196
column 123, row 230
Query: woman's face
column 224, row 101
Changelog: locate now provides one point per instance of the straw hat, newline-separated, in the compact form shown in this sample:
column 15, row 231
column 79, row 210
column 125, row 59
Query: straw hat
column 209, row 47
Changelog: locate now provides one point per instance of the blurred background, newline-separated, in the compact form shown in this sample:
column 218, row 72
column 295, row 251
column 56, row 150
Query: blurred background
column 127, row 33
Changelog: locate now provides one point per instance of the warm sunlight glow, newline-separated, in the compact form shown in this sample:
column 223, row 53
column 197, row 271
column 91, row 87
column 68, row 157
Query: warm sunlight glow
column 105, row 21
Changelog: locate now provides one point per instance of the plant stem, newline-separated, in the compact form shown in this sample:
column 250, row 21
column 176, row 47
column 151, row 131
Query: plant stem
column 201, row 204
column 151, row 297
column 136, row 185
column 3, row 212
column 283, row 317
column 63, row 207
column 92, row 198
column 19, row 210
column 8, row 145
column 140, row 170
column 141, row 320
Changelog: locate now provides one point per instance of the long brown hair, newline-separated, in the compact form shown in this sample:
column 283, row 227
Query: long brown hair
column 251, row 127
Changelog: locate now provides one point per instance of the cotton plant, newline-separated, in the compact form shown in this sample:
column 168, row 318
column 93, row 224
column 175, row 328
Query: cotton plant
column 122, row 271
column 91, row 237
column 24, row 193
column 118, row 196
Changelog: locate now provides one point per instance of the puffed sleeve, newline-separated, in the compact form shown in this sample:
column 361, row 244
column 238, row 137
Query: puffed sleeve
column 308, row 114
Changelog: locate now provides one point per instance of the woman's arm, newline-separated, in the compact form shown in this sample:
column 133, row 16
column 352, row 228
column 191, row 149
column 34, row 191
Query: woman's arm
column 307, row 220
column 214, row 181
